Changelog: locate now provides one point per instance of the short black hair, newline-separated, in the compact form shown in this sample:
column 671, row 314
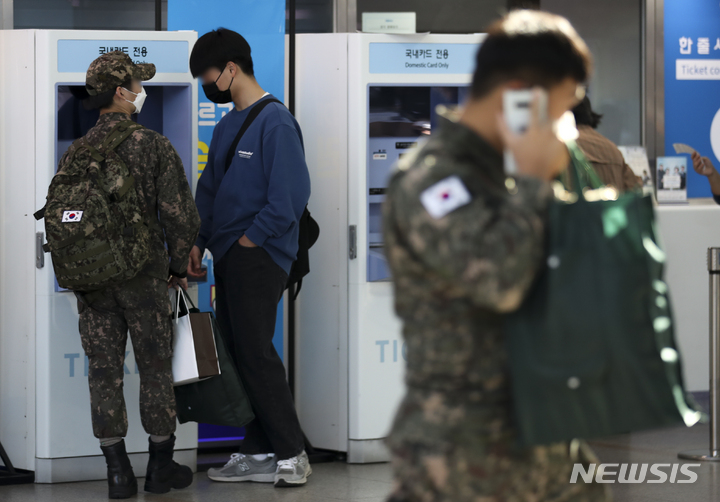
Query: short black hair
column 104, row 99
column 537, row 47
column 584, row 114
column 217, row 48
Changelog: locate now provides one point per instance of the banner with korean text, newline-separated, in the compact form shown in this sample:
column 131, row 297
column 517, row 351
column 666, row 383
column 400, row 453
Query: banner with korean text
column 692, row 83
column 262, row 23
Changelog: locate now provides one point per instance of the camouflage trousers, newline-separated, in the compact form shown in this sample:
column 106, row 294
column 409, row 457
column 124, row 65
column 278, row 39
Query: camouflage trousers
column 425, row 474
column 142, row 307
column 458, row 452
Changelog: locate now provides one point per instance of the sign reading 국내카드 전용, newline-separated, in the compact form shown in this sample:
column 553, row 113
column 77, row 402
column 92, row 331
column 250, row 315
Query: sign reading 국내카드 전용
column 692, row 88
column 422, row 58
column 168, row 56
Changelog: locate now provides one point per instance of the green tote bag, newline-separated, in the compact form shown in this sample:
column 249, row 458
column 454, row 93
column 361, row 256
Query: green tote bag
column 592, row 350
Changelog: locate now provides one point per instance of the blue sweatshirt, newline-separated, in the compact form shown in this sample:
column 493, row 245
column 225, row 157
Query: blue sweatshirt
column 264, row 191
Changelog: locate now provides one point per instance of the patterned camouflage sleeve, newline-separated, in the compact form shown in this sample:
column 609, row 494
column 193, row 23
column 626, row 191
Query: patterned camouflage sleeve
column 178, row 215
column 487, row 250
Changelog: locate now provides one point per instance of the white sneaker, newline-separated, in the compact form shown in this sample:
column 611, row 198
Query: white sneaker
column 242, row 468
column 293, row 471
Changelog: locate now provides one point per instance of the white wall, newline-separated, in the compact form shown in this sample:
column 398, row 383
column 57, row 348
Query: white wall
column 17, row 249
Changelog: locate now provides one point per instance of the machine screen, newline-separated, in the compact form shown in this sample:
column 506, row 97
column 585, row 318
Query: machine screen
column 167, row 110
column 398, row 117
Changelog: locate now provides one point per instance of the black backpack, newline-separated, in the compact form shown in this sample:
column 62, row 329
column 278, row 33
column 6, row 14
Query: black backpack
column 309, row 233
column 309, row 229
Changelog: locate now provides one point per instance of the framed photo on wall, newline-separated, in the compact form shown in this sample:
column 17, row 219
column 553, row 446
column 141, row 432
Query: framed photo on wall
column 671, row 180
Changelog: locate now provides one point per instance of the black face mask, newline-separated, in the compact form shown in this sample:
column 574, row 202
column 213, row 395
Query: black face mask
column 216, row 95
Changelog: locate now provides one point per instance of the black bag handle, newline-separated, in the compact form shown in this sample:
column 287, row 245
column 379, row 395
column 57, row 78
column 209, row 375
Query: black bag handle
column 183, row 304
column 254, row 112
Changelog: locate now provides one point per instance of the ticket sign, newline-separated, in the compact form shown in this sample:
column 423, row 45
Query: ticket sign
column 697, row 69
column 168, row 56
column 692, row 88
column 448, row 59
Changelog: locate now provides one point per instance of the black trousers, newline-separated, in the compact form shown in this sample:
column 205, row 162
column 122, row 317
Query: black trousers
column 249, row 285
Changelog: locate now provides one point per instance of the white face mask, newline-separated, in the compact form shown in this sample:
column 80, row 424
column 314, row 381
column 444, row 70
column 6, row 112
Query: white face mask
column 139, row 99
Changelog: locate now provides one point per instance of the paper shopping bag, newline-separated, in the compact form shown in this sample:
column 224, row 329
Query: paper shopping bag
column 194, row 351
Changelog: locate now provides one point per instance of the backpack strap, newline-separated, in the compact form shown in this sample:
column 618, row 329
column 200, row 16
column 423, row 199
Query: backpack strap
column 115, row 137
column 94, row 152
column 118, row 134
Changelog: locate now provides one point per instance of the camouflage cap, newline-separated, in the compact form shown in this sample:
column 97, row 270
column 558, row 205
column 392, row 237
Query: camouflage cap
column 112, row 70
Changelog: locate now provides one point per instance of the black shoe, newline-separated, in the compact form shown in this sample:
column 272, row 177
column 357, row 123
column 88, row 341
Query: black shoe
column 162, row 472
column 121, row 479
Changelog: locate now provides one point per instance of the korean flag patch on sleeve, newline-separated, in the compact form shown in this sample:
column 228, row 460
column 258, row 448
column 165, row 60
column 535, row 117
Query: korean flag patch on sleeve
column 72, row 216
column 444, row 197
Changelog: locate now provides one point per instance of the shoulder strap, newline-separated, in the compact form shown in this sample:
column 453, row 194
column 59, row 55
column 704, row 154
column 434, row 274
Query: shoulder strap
column 254, row 112
column 94, row 152
column 118, row 134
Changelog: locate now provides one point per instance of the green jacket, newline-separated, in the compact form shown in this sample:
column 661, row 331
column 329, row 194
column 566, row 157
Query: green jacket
column 464, row 244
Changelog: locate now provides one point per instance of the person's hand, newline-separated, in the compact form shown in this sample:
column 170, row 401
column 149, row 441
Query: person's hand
column 702, row 165
column 176, row 283
column 195, row 263
column 246, row 243
column 538, row 152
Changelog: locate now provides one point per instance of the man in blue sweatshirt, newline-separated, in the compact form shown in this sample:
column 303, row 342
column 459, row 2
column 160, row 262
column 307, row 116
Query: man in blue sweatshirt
column 250, row 222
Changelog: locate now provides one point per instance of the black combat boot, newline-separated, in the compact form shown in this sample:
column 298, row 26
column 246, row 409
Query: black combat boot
column 121, row 479
column 162, row 472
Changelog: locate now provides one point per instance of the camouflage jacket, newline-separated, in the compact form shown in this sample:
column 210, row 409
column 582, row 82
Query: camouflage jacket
column 162, row 184
column 457, row 271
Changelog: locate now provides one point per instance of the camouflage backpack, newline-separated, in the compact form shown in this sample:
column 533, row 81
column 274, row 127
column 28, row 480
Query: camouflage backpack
column 97, row 233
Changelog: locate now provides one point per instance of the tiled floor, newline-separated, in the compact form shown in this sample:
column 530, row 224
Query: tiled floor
column 329, row 482
column 371, row 483
column 662, row 447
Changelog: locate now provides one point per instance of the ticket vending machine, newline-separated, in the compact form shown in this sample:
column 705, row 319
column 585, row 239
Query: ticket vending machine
column 363, row 101
column 44, row 400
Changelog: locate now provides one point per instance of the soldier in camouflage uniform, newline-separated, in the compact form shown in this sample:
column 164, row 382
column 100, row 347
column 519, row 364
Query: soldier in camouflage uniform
column 464, row 242
column 141, row 305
